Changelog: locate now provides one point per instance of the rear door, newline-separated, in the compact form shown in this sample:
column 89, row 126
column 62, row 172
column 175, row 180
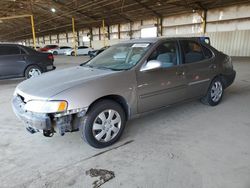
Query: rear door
column 12, row 61
column 164, row 86
column 83, row 50
column 200, row 67
column 63, row 49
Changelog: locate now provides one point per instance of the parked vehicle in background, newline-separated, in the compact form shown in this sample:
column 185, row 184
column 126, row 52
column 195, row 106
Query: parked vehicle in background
column 124, row 82
column 48, row 47
column 21, row 61
column 60, row 50
column 81, row 50
column 94, row 53
column 37, row 47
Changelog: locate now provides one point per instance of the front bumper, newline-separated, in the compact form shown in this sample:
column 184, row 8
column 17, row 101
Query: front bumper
column 30, row 119
column 34, row 122
column 67, row 53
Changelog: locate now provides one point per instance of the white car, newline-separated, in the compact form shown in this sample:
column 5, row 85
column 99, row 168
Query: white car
column 59, row 51
column 81, row 50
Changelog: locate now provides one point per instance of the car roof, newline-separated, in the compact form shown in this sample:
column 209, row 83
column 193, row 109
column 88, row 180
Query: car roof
column 8, row 44
column 156, row 39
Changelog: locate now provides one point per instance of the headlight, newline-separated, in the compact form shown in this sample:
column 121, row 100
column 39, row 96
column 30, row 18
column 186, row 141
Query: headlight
column 46, row 106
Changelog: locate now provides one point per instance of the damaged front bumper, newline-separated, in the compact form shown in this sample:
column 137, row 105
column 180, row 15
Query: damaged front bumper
column 48, row 123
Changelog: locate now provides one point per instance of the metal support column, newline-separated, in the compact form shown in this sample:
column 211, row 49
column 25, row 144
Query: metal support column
column 104, row 33
column 74, row 35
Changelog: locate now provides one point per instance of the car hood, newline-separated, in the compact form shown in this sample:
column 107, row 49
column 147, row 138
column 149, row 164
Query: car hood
column 50, row 84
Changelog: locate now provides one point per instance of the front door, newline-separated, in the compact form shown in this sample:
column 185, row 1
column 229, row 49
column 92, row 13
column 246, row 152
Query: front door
column 164, row 86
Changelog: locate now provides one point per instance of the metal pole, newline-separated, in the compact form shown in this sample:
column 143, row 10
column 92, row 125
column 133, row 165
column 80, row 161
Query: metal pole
column 103, row 31
column 15, row 17
column 74, row 35
column 32, row 24
column 204, row 23
column 33, row 30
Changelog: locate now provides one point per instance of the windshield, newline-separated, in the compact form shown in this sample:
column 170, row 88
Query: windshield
column 119, row 57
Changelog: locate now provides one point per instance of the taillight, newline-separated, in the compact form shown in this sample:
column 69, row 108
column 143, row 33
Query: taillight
column 51, row 57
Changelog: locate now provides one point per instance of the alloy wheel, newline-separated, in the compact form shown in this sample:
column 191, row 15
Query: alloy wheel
column 106, row 125
column 34, row 72
column 216, row 91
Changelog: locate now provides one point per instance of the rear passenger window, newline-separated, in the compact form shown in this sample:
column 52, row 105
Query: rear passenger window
column 9, row 50
column 22, row 51
column 165, row 53
column 192, row 51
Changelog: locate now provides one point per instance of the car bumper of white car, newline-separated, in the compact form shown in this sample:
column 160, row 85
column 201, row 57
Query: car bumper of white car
column 67, row 53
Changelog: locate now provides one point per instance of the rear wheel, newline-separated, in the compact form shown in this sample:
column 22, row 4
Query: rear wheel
column 55, row 53
column 215, row 93
column 32, row 71
column 103, row 124
column 72, row 53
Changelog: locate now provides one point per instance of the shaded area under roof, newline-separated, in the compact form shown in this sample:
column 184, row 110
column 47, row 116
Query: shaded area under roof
column 89, row 13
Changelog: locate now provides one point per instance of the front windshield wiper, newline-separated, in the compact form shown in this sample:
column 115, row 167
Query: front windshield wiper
column 82, row 64
column 85, row 65
column 108, row 68
column 103, row 68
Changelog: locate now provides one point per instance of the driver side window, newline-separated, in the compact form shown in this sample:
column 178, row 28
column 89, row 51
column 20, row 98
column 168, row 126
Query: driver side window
column 166, row 53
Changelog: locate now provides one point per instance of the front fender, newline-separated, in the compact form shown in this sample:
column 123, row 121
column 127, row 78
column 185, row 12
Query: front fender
column 121, row 84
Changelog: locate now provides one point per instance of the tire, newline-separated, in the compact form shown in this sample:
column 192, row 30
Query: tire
column 32, row 71
column 97, row 128
column 72, row 53
column 55, row 53
column 215, row 93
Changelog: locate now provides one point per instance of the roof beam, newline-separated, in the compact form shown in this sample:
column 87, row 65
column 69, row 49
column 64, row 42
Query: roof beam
column 148, row 8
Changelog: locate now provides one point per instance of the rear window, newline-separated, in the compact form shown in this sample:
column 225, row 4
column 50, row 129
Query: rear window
column 51, row 46
column 192, row 51
column 65, row 47
column 82, row 47
column 9, row 50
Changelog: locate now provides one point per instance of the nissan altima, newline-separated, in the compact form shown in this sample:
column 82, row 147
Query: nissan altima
column 125, row 81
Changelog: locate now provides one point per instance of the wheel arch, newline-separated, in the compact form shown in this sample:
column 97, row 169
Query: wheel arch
column 117, row 98
column 223, row 79
column 30, row 65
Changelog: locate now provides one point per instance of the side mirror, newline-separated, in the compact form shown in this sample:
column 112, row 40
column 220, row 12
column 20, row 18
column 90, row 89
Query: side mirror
column 151, row 65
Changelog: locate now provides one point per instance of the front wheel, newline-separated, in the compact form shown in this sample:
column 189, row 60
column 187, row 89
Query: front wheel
column 103, row 124
column 215, row 93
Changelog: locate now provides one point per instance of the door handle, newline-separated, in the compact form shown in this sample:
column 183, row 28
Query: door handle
column 24, row 58
column 180, row 73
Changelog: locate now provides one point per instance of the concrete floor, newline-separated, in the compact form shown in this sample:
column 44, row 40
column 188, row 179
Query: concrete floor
column 190, row 145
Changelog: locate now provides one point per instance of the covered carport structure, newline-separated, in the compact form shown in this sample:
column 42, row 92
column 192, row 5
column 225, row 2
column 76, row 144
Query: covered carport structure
column 123, row 19
column 185, row 146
